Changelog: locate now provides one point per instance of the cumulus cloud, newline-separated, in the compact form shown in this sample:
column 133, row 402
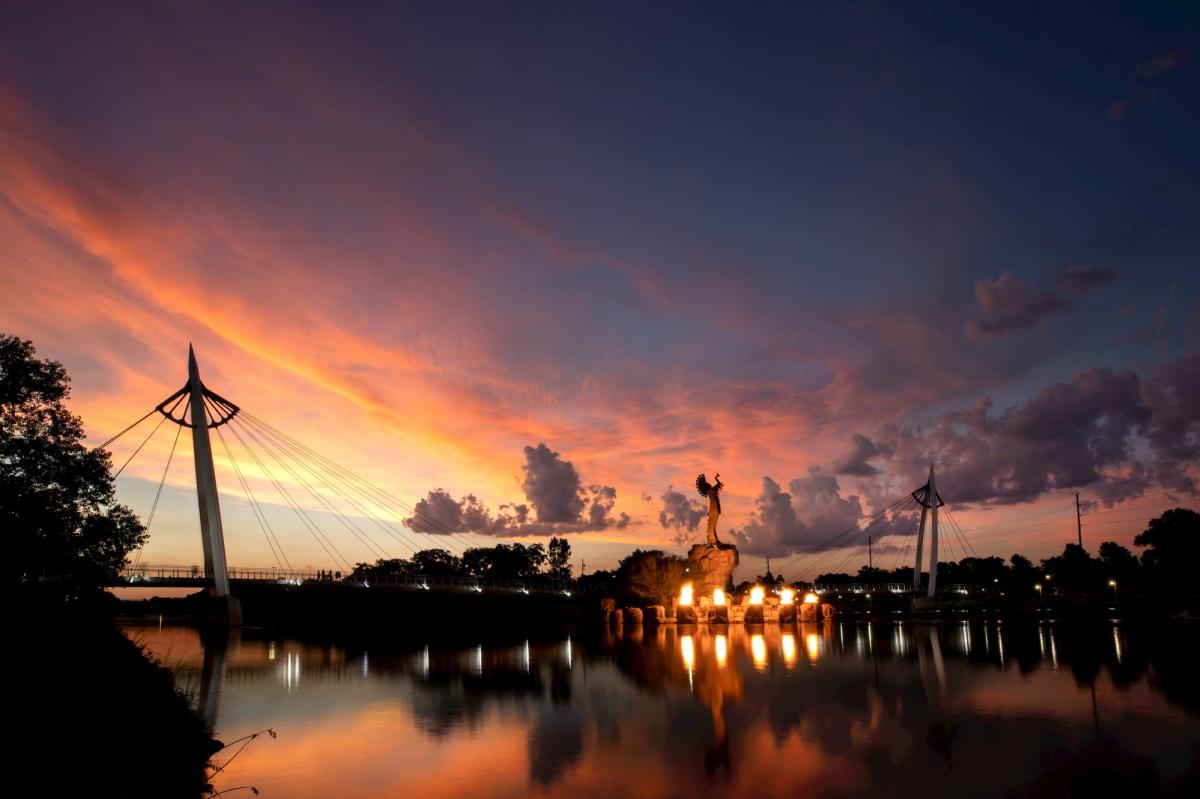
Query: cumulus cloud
column 556, row 503
column 1007, row 304
column 552, row 485
column 1105, row 429
column 802, row 519
column 681, row 514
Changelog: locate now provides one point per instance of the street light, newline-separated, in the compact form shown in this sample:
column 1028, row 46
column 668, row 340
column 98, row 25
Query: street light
column 1113, row 583
column 1039, row 590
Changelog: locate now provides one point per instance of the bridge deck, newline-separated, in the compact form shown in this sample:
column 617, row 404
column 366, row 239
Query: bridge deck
column 194, row 576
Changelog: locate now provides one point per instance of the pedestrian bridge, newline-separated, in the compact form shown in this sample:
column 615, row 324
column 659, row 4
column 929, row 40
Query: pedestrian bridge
column 149, row 576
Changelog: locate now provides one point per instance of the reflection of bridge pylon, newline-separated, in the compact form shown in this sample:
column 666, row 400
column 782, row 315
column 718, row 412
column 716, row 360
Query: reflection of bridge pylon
column 205, row 409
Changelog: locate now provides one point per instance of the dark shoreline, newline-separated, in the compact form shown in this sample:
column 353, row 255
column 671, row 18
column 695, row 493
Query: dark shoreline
column 91, row 714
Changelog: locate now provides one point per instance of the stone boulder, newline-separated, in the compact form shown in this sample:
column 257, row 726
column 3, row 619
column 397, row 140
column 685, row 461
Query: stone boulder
column 828, row 611
column 685, row 614
column 618, row 618
column 808, row 612
column 711, row 567
column 656, row 614
column 607, row 606
column 633, row 615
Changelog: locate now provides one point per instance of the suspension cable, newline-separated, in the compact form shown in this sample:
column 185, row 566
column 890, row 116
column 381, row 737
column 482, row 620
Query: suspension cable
column 259, row 516
column 298, row 457
column 145, row 441
column 158, row 495
column 326, row 545
column 856, row 528
column 370, row 491
column 127, row 429
column 354, row 529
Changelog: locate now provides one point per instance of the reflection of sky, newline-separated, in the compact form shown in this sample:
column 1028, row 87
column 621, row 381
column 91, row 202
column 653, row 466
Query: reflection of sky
column 500, row 720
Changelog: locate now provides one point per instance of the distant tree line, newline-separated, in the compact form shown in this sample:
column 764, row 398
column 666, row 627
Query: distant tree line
column 1170, row 547
column 501, row 562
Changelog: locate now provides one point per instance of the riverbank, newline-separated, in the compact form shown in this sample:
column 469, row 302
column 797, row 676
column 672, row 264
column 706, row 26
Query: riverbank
column 90, row 714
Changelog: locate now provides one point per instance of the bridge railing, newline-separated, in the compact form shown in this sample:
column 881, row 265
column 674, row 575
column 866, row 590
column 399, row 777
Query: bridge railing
column 195, row 575
column 881, row 588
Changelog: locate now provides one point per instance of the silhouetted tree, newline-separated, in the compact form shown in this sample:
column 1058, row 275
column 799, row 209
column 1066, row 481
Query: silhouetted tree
column 1173, row 543
column 435, row 562
column 1073, row 570
column 1119, row 564
column 651, row 575
column 505, row 561
column 58, row 512
column 559, row 557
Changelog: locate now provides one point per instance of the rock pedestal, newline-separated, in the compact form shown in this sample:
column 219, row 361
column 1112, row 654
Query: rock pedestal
column 711, row 567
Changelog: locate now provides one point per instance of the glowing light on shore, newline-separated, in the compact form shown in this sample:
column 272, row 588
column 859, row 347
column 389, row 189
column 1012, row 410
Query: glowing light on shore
column 685, row 595
column 787, row 596
column 756, row 595
column 718, row 597
column 811, row 598
column 758, row 651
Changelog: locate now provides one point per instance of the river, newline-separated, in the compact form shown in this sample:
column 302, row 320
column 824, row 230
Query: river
column 834, row 709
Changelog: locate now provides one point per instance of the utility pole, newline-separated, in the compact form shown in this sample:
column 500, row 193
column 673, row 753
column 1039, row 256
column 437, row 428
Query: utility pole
column 582, row 567
column 1078, row 521
column 870, row 554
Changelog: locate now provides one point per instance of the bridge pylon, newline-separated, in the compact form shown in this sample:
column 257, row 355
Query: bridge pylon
column 927, row 497
column 206, row 409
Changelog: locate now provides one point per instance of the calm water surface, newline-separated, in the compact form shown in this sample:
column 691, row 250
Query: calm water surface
column 811, row 710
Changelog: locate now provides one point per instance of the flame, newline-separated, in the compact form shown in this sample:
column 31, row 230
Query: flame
column 756, row 595
column 787, row 596
column 718, row 597
column 811, row 599
column 685, row 594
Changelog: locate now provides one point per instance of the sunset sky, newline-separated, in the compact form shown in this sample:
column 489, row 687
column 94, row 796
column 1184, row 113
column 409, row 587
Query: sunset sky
column 561, row 258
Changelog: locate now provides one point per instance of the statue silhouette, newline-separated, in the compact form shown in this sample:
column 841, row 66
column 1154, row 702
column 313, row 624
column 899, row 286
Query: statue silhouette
column 713, row 492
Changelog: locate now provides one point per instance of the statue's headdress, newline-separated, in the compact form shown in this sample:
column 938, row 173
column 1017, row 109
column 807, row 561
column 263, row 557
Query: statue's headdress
column 702, row 485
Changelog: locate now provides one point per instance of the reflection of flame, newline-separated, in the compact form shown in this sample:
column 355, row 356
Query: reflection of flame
column 787, row 596
column 756, row 595
column 758, row 650
column 718, row 597
column 789, row 649
column 811, row 599
column 813, row 644
column 688, row 650
column 722, row 651
column 685, row 595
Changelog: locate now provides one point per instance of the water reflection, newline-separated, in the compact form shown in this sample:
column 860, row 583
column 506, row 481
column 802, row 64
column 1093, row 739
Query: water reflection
column 664, row 712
